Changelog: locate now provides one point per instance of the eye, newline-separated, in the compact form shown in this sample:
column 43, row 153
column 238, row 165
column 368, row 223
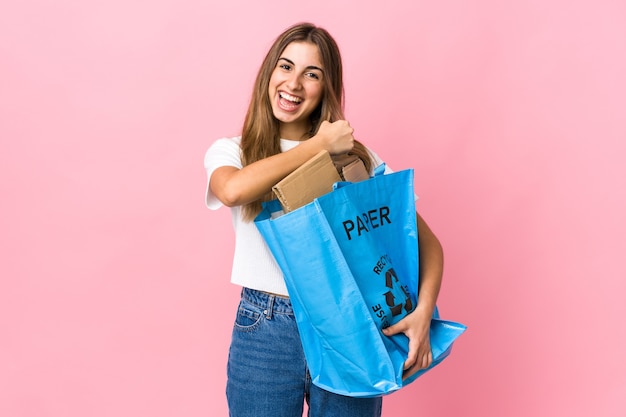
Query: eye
column 313, row 75
column 284, row 66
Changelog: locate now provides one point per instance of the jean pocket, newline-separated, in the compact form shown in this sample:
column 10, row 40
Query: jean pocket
column 248, row 317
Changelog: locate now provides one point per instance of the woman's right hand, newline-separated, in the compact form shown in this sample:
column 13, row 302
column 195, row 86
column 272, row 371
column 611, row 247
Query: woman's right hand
column 336, row 137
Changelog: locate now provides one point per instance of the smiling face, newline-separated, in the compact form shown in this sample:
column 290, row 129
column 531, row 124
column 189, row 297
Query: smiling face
column 296, row 88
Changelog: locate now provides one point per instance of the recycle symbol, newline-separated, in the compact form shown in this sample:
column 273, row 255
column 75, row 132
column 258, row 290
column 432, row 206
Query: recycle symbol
column 391, row 279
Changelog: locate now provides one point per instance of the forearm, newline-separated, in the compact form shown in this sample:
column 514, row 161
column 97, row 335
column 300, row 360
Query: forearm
column 416, row 325
column 236, row 187
column 431, row 267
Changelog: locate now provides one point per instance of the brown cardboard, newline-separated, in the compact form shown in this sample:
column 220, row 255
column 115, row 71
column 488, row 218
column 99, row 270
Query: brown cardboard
column 355, row 171
column 350, row 167
column 311, row 180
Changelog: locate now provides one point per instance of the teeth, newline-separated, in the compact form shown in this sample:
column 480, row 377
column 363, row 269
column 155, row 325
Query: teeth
column 291, row 98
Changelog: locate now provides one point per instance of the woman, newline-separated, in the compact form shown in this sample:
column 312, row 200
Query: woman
column 296, row 110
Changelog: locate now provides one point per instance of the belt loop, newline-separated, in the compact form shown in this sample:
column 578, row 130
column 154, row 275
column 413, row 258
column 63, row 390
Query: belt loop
column 270, row 307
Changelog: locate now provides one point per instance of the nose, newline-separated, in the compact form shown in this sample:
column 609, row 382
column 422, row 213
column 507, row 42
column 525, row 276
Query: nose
column 293, row 82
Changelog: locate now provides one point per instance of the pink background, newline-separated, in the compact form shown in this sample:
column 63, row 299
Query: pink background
column 114, row 297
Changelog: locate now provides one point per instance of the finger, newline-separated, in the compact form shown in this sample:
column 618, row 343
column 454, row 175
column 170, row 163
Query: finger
column 423, row 363
column 426, row 360
column 410, row 362
column 413, row 355
column 394, row 329
column 408, row 373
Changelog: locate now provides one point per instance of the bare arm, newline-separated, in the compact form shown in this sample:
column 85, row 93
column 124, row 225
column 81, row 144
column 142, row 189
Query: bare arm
column 235, row 187
column 416, row 325
column 431, row 266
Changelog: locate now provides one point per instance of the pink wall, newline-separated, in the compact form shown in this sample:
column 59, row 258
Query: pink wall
column 114, row 295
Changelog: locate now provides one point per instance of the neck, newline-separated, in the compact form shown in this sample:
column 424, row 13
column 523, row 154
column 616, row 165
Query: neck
column 291, row 132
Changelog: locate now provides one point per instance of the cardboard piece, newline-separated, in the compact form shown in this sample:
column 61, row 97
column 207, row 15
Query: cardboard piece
column 355, row 171
column 311, row 180
column 350, row 167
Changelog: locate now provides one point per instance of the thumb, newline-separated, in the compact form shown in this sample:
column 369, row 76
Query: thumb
column 324, row 123
column 394, row 329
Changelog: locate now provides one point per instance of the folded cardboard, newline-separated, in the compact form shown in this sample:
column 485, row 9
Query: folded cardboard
column 355, row 171
column 350, row 167
column 311, row 180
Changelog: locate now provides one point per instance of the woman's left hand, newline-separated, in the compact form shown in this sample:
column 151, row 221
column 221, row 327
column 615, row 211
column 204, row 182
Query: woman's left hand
column 416, row 326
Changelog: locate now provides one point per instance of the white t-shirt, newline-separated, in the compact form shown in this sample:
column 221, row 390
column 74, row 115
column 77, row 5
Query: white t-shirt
column 253, row 263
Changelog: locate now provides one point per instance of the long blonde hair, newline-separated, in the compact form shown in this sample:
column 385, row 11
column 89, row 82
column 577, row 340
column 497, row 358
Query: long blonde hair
column 260, row 136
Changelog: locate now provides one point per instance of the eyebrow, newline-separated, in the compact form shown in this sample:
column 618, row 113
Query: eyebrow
column 310, row 67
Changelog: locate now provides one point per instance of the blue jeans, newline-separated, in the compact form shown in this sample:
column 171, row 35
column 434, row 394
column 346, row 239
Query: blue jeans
column 267, row 371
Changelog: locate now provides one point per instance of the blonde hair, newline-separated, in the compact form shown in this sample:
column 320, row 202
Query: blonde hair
column 260, row 136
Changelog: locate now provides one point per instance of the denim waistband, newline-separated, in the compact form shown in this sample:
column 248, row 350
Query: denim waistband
column 272, row 303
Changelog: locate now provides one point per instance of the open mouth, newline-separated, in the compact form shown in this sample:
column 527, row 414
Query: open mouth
column 287, row 101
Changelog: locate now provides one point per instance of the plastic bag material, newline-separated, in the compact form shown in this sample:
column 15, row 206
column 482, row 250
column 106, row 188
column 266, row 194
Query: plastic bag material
column 351, row 266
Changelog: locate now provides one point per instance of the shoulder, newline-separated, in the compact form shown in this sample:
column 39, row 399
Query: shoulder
column 227, row 143
column 224, row 151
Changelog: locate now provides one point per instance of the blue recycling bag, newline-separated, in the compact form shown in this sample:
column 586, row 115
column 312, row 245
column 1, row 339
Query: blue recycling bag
column 350, row 262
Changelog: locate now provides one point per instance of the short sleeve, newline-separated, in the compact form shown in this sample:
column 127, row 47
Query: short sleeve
column 223, row 152
column 376, row 161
